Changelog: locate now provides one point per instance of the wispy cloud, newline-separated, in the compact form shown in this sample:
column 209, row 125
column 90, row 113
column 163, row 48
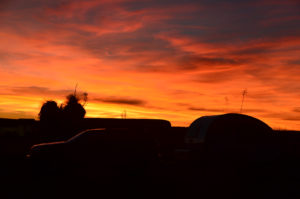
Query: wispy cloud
column 40, row 91
column 205, row 109
column 296, row 109
column 163, row 52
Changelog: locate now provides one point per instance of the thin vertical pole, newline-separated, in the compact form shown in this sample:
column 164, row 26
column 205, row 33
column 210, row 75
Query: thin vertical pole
column 244, row 94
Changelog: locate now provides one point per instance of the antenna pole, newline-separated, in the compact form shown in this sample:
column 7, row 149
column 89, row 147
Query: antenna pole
column 226, row 104
column 244, row 94
column 124, row 114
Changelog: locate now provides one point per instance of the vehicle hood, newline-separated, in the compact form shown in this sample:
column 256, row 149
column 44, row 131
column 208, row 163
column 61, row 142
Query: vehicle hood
column 45, row 148
column 47, row 144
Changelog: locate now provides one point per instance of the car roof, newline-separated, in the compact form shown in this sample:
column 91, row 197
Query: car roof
column 88, row 131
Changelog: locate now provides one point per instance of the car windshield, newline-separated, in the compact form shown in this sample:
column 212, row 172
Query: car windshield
column 85, row 134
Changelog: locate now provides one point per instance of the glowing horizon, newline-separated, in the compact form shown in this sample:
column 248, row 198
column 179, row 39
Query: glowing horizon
column 162, row 60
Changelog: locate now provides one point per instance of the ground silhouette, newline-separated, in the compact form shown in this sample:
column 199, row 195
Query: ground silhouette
column 214, row 168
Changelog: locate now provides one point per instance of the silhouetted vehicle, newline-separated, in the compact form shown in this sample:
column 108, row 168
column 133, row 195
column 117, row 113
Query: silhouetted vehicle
column 235, row 138
column 93, row 123
column 106, row 153
column 224, row 155
column 231, row 153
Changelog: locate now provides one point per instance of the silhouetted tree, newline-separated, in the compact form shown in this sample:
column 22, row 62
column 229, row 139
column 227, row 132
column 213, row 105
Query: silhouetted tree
column 73, row 110
column 50, row 116
column 57, row 123
column 72, row 114
column 49, row 112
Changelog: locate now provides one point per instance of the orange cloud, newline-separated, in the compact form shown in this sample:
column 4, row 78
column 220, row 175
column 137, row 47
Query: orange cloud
column 175, row 61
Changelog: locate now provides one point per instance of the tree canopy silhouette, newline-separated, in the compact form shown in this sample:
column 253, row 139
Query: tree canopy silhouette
column 59, row 122
column 73, row 110
column 49, row 112
column 50, row 120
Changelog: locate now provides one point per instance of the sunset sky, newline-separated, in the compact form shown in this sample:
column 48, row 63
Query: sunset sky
column 175, row 60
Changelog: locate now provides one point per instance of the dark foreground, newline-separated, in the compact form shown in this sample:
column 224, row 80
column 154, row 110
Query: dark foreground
column 180, row 172
column 185, row 180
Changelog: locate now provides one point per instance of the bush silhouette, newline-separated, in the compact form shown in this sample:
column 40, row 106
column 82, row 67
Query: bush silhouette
column 49, row 112
column 73, row 110
column 50, row 120
column 72, row 115
column 58, row 123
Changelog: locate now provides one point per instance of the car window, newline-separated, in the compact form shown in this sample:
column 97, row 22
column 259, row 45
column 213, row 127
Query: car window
column 87, row 137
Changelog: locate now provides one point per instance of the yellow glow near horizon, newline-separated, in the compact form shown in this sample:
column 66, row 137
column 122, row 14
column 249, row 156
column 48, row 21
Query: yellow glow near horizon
column 174, row 61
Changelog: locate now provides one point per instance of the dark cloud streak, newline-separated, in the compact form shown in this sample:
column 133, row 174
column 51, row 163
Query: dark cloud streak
column 37, row 90
column 120, row 100
column 205, row 109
